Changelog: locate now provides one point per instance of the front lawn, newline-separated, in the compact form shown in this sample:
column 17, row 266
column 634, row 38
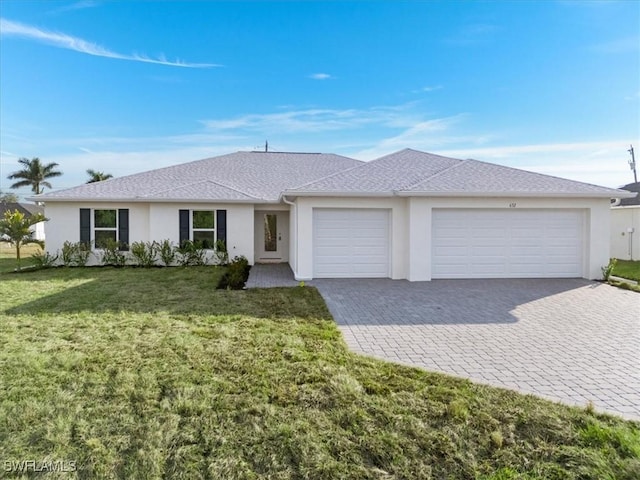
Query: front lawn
column 136, row 373
column 629, row 269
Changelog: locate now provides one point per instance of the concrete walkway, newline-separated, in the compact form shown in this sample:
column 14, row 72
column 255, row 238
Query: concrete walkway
column 567, row 340
column 267, row 275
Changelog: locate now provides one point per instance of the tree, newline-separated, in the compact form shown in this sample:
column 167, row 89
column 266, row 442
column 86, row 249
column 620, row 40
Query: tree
column 8, row 197
column 15, row 228
column 34, row 175
column 95, row 176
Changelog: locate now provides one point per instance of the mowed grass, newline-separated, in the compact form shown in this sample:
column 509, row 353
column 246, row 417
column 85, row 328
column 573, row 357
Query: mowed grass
column 8, row 256
column 146, row 374
column 629, row 269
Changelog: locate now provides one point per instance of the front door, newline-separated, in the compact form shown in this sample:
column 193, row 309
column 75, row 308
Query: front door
column 272, row 233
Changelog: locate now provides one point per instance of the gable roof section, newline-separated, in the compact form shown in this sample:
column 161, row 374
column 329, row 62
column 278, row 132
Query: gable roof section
column 634, row 188
column 236, row 177
column 413, row 173
column 27, row 209
column 385, row 175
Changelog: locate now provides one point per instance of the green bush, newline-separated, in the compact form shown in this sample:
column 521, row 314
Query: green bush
column 144, row 253
column 191, row 253
column 167, row 252
column 112, row 254
column 44, row 259
column 75, row 254
column 222, row 256
column 606, row 271
column 237, row 274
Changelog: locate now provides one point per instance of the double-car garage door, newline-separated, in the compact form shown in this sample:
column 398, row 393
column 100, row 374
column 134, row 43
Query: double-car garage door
column 465, row 243
column 478, row 243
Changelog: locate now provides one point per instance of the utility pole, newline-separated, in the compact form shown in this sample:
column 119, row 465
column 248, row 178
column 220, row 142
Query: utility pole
column 632, row 164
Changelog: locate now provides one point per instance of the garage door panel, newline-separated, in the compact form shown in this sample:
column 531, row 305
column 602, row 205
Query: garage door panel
column 506, row 243
column 451, row 251
column 487, row 251
column 350, row 243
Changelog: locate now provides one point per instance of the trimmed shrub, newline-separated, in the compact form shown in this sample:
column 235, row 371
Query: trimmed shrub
column 45, row 259
column 144, row 253
column 75, row 254
column 236, row 275
column 112, row 254
column 167, row 252
column 191, row 253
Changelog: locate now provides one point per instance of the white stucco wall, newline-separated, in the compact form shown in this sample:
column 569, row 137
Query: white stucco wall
column 64, row 223
column 411, row 228
column 164, row 224
column 625, row 245
column 148, row 222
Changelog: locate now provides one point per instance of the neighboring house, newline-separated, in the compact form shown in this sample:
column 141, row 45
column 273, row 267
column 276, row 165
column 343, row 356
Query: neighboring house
column 409, row 215
column 625, row 225
column 26, row 209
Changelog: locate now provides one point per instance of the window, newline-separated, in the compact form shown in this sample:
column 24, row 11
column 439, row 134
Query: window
column 102, row 225
column 203, row 228
column 105, row 227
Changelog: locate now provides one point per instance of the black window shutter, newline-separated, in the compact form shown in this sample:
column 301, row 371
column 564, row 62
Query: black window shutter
column 184, row 226
column 221, row 225
column 123, row 228
column 85, row 225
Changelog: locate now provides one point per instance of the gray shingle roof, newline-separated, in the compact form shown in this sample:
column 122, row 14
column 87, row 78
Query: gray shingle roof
column 410, row 172
column 265, row 176
column 387, row 174
column 26, row 209
column 240, row 176
column 631, row 187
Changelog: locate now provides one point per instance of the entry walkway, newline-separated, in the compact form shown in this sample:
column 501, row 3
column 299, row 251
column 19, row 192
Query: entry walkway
column 267, row 275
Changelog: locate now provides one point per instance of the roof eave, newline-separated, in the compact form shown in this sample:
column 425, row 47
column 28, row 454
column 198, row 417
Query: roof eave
column 151, row 200
column 515, row 194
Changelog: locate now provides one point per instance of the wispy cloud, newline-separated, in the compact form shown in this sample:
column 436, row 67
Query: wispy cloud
column 428, row 88
column 61, row 40
column 84, row 4
column 321, row 76
column 318, row 120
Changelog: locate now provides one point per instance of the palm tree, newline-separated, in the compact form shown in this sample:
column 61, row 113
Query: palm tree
column 95, row 176
column 34, row 175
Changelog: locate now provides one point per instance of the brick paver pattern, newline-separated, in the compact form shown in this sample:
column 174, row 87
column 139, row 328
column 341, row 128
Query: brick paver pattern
column 567, row 340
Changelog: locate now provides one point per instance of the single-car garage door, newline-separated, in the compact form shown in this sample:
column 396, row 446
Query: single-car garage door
column 506, row 243
column 350, row 243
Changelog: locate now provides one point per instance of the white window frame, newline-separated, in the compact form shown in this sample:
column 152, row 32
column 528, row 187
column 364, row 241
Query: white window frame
column 103, row 229
column 193, row 229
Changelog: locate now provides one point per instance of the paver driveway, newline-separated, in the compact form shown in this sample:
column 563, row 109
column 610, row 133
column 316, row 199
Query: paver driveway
column 568, row 340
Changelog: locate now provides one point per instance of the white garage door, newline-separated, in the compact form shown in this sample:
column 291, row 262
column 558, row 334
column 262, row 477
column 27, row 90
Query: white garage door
column 507, row 243
column 350, row 243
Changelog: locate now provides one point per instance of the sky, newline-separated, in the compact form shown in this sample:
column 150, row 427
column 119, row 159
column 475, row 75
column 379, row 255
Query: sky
column 124, row 87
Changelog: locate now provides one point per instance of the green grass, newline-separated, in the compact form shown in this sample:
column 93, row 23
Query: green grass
column 152, row 373
column 629, row 269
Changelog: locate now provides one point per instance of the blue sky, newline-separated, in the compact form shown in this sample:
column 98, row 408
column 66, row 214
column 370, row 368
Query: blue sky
column 122, row 87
